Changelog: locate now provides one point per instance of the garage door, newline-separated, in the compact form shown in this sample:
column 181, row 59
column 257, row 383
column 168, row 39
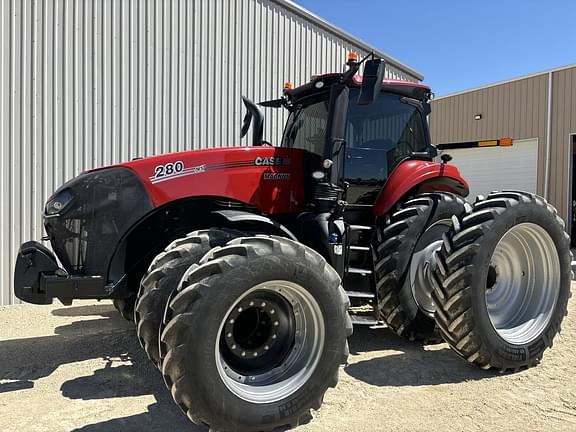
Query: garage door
column 496, row 168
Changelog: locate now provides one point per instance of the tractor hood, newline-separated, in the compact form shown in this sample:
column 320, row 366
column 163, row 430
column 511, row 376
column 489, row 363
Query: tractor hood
column 86, row 217
column 267, row 178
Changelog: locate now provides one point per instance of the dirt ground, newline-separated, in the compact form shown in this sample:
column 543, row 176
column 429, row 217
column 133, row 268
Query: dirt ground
column 80, row 368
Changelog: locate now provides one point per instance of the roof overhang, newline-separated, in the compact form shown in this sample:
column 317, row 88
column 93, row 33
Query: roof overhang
column 320, row 22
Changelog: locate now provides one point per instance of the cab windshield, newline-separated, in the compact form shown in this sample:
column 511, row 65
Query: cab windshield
column 378, row 135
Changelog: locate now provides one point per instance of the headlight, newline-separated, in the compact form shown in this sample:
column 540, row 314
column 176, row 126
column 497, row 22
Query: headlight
column 318, row 175
column 59, row 203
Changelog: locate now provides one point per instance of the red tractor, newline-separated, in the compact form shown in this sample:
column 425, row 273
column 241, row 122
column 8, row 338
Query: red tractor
column 245, row 268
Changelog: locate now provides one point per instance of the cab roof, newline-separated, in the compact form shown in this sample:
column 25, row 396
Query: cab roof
column 403, row 88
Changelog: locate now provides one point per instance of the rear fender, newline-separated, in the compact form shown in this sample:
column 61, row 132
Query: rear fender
column 419, row 176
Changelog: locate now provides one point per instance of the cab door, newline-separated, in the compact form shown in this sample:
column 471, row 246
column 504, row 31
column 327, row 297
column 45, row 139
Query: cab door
column 378, row 137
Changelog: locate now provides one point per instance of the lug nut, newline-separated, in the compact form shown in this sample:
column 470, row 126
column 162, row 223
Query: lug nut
column 251, row 303
column 255, row 354
column 239, row 309
column 276, row 323
column 233, row 346
column 231, row 321
column 272, row 311
column 263, row 304
column 266, row 347
column 243, row 354
column 229, row 335
column 273, row 336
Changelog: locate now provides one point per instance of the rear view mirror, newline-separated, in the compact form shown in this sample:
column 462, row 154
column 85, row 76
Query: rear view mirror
column 372, row 81
column 254, row 115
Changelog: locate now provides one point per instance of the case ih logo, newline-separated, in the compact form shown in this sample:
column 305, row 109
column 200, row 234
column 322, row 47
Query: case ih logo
column 271, row 161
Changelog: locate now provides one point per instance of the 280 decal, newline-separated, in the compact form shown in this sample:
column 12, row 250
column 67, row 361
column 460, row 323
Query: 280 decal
column 168, row 169
column 174, row 169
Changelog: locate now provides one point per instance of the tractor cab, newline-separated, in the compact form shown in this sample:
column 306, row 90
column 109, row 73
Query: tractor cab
column 377, row 136
column 354, row 130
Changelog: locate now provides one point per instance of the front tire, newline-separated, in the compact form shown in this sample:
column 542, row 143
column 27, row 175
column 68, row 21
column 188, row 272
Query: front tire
column 163, row 277
column 255, row 335
column 503, row 280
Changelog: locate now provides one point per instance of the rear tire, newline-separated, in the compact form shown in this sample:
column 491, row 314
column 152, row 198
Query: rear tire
column 263, row 310
column 163, row 277
column 415, row 225
column 502, row 281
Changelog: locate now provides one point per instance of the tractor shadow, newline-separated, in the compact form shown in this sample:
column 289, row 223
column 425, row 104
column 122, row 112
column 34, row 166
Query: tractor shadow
column 26, row 360
column 381, row 358
column 99, row 333
column 103, row 310
column 138, row 378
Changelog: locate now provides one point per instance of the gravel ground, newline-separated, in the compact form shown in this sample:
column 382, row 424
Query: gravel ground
column 80, row 368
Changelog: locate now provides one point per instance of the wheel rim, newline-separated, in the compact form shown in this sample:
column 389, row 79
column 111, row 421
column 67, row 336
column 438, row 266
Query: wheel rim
column 422, row 263
column 523, row 283
column 270, row 342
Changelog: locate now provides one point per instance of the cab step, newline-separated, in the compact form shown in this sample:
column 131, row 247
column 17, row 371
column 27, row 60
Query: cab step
column 360, row 248
column 360, row 294
column 363, row 320
column 360, row 228
column 360, row 271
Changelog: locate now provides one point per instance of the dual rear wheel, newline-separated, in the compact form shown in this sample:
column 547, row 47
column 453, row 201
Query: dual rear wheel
column 492, row 279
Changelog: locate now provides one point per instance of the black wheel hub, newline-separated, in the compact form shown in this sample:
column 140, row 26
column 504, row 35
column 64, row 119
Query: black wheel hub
column 258, row 333
column 491, row 277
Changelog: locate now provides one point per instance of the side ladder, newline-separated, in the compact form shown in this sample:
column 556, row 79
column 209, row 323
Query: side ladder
column 358, row 276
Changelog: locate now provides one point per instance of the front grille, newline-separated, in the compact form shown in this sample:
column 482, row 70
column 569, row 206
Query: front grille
column 106, row 204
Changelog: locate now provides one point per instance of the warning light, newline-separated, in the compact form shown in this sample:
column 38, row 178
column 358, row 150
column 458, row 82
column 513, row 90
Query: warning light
column 352, row 56
column 288, row 85
column 506, row 142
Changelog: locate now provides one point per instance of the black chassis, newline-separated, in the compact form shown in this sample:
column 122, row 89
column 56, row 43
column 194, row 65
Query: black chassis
column 39, row 279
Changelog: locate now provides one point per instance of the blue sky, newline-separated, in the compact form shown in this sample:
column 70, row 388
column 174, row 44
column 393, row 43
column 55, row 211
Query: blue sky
column 458, row 45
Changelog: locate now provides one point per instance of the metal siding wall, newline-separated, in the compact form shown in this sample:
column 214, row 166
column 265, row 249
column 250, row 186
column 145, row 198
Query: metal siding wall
column 87, row 83
column 517, row 109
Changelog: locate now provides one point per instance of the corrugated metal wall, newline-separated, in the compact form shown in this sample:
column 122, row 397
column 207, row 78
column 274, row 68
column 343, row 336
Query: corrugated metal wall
column 86, row 83
column 517, row 109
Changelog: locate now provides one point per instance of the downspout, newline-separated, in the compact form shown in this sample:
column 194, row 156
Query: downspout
column 548, row 138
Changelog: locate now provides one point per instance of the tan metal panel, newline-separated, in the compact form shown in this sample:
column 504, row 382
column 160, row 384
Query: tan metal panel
column 518, row 109
column 87, row 83
column 540, row 110
column 557, row 124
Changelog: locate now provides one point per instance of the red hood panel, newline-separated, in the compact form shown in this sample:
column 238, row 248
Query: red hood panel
column 268, row 178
